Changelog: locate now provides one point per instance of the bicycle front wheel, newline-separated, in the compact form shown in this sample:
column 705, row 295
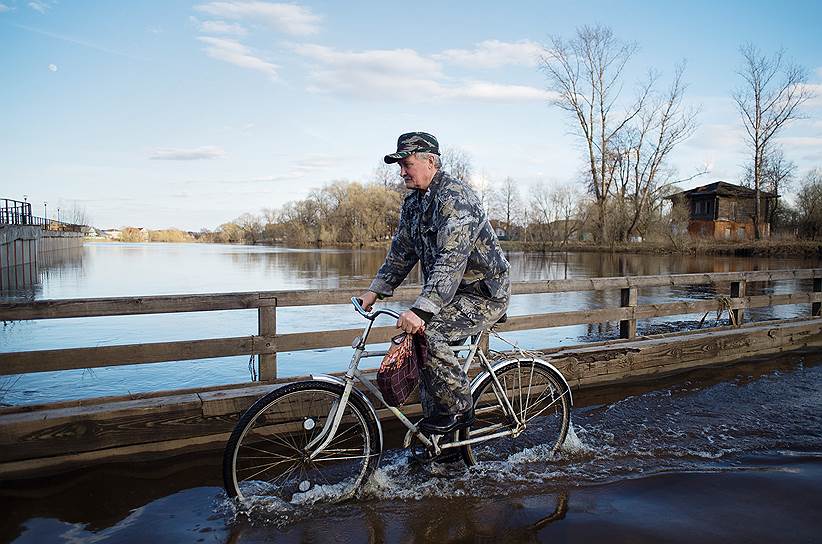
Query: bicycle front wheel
column 538, row 398
column 269, row 453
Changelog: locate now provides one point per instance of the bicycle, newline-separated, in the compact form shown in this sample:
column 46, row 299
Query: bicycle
column 321, row 439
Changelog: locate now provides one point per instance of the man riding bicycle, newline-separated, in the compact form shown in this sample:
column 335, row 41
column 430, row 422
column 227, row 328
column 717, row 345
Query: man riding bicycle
column 466, row 281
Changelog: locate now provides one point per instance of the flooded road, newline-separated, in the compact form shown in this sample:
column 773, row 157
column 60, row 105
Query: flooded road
column 717, row 455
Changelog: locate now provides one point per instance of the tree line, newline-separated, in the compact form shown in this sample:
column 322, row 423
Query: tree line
column 547, row 216
column 622, row 191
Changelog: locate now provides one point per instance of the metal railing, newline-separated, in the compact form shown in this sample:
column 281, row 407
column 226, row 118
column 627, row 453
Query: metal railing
column 15, row 212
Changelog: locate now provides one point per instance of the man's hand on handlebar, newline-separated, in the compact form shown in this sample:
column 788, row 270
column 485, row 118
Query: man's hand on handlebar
column 368, row 299
column 410, row 322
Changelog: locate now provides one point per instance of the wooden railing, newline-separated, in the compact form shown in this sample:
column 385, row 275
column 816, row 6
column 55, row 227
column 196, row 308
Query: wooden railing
column 267, row 342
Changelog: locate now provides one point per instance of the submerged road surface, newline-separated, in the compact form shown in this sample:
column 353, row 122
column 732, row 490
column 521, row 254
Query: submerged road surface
column 718, row 455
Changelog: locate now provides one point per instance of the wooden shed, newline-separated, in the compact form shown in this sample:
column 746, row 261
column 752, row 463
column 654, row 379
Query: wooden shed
column 724, row 211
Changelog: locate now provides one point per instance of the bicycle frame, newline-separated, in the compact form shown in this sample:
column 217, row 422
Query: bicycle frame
column 354, row 374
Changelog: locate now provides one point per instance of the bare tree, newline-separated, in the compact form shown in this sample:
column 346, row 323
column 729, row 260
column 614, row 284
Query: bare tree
column 457, row 162
column 642, row 150
column 556, row 213
column 506, row 204
column 75, row 214
column 585, row 74
column 809, row 203
column 388, row 176
column 770, row 97
column 777, row 175
column 251, row 227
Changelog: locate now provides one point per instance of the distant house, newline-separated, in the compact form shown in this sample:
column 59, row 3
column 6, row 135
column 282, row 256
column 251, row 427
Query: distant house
column 91, row 232
column 113, row 234
column 724, row 211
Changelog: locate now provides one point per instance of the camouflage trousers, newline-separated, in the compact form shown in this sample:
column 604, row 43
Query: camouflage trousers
column 444, row 387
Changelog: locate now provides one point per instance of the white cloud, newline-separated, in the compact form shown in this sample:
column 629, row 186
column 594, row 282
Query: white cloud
column 4, row 7
column 52, row 67
column 717, row 137
column 484, row 90
column 289, row 18
column 378, row 61
column 234, row 52
column 399, row 73
column 39, row 5
column 221, row 27
column 195, row 154
column 493, row 54
column 806, row 148
column 819, row 71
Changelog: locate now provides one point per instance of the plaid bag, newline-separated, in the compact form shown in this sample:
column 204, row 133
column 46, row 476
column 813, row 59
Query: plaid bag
column 399, row 371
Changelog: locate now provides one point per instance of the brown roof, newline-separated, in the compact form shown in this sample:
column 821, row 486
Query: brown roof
column 722, row 188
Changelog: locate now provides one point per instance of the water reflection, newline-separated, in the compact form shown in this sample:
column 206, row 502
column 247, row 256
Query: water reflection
column 25, row 282
column 490, row 519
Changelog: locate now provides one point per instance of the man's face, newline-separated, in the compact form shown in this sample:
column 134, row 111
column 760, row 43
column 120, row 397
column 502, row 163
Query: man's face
column 417, row 173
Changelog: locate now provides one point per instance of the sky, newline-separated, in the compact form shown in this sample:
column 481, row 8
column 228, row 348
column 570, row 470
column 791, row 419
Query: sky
column 188, row 114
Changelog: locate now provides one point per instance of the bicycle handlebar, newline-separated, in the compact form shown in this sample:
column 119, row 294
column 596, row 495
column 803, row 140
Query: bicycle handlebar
column 371, row 315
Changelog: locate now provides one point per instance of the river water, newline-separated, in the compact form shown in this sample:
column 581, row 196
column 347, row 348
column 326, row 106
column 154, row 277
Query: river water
column 729, row 454
column 114, row 269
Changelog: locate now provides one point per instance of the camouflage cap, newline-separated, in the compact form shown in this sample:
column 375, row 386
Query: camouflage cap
column 413, row 142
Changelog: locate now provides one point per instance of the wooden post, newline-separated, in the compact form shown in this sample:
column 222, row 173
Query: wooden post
column 738, row 291
column 267, row 323
column 627, row 327
column 816, row 307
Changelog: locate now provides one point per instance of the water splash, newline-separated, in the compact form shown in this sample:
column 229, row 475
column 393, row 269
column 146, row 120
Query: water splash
column 686, row 427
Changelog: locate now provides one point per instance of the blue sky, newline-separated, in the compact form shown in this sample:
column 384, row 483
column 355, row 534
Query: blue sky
column 188, row 114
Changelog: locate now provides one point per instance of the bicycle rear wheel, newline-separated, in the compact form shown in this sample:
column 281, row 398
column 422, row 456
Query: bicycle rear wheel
column 267, row 457
column 539, row 398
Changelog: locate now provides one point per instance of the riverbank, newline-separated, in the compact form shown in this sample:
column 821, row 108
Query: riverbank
column 762, row 248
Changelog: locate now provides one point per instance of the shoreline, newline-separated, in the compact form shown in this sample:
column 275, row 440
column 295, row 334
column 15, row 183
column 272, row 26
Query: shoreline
column 765, row 248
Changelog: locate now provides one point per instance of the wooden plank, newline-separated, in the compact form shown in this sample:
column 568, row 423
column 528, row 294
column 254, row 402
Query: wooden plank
column 300, row 341
column 94, row 307
column 74, row 358
column 64, row 308
column 647, row 311
column 46, row 466
column 672, row 280
column 50, row 432
column 235, row 401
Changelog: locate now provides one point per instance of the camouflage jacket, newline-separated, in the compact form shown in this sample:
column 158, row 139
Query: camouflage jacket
column 445, row 228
